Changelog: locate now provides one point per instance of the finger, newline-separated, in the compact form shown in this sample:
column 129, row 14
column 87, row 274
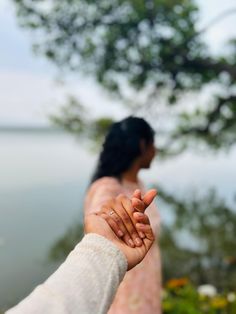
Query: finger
column 125, row 210
column 120, row 229
column 141, row 204
column 137, row 194
column 149, row 197
column 114, row 227
column 147, row 230
column 110, row 222
column 138, row 204
column 140, row 207
column 141, row 218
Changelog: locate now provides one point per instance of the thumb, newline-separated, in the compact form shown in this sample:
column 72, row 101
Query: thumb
column 138, row 204
column 149, row 197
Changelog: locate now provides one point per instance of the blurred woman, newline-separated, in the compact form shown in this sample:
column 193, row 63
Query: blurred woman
column 128, row 148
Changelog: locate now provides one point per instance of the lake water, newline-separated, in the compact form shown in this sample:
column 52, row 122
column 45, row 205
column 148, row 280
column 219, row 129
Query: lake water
column 43, row 178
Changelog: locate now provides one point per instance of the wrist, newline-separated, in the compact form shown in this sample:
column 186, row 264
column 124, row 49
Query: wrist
column 100, row 243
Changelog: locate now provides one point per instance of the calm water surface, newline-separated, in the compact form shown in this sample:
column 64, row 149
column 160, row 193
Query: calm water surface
column 43, row 178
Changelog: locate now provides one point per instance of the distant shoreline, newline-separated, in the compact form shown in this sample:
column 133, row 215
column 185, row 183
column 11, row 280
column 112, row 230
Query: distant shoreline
column 30, row 129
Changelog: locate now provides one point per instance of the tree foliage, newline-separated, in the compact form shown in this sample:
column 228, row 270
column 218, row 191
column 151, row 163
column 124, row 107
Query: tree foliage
column 74, row 118
column 200, row 240
column 146, row 52
column 65, row 244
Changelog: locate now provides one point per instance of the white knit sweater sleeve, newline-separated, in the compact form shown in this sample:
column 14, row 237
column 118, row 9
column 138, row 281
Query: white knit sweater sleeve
column 85, row 283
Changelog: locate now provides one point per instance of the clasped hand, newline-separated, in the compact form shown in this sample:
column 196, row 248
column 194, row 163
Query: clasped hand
column 123, row 221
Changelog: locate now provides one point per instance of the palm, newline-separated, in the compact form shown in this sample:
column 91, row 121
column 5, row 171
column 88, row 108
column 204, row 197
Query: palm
column 134, row 255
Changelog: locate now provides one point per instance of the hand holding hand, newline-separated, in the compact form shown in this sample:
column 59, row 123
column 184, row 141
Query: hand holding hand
column 97, row 223
column 120, row 215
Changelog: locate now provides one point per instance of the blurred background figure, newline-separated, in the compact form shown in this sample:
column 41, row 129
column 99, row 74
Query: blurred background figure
column 128, row 148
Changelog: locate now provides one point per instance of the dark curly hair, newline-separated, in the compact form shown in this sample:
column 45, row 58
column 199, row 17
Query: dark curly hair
column 122, row 146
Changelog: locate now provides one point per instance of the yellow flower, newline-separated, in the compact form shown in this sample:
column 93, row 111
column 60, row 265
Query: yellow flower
column 167, row 306
column 218, row 302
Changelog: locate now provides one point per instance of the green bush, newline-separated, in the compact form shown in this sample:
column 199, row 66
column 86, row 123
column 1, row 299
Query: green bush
column 181, row 297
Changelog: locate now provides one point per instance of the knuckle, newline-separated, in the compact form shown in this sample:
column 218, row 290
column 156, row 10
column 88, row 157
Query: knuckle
column 111, row 222
column 134, row 233
column 117, row 219
column 104, row 216
column 125, row 218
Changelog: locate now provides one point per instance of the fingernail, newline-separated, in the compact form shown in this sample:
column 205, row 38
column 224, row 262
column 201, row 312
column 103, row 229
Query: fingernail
column 131, row 243
column 141, row 234
column 139, row 214
column 138, row 241
column 120, row 233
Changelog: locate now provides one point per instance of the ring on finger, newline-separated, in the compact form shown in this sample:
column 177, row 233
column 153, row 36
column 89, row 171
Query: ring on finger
column 111, row 213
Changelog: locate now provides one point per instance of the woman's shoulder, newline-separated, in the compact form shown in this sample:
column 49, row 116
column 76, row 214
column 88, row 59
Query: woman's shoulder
column 105, row 182
column 102, row 189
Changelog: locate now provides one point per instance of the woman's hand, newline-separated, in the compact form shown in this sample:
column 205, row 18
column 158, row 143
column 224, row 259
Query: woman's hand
column 95, row 223
column 141, row 203
column 122, row 216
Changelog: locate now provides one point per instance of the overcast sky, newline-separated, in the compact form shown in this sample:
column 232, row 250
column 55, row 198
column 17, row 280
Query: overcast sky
column 28, row 91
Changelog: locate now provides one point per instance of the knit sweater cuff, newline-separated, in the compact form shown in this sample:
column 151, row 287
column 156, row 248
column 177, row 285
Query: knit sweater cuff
column 98, row 243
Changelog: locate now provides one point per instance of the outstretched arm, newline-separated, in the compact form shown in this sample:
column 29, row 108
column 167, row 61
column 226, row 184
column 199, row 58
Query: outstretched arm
column 87, row 281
